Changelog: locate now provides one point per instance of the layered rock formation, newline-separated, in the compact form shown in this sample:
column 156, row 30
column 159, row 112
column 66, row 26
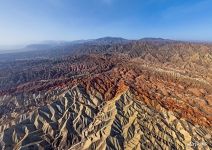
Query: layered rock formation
column 147, row 94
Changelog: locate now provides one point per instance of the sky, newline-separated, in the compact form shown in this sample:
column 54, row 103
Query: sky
column 25, row 21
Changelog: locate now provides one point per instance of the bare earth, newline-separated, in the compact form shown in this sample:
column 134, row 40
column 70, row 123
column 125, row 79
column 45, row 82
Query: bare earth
column 134, row 95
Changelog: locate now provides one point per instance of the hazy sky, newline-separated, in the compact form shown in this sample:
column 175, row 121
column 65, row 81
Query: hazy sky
column 24, row 21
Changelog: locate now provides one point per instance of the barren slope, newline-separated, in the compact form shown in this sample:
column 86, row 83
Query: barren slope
column 148, row 94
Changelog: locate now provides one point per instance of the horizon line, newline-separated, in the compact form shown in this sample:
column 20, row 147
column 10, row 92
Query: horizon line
column 5, row 47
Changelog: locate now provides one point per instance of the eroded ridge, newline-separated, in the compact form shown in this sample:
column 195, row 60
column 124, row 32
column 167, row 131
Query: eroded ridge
column 78, row 119
column 145, row 94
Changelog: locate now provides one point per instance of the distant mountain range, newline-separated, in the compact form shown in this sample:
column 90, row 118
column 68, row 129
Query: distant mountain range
column 52, row 49
column 53, row 44
column 60, row 44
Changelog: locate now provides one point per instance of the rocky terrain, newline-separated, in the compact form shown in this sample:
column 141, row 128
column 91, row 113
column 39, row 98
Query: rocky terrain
column 109, row 93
